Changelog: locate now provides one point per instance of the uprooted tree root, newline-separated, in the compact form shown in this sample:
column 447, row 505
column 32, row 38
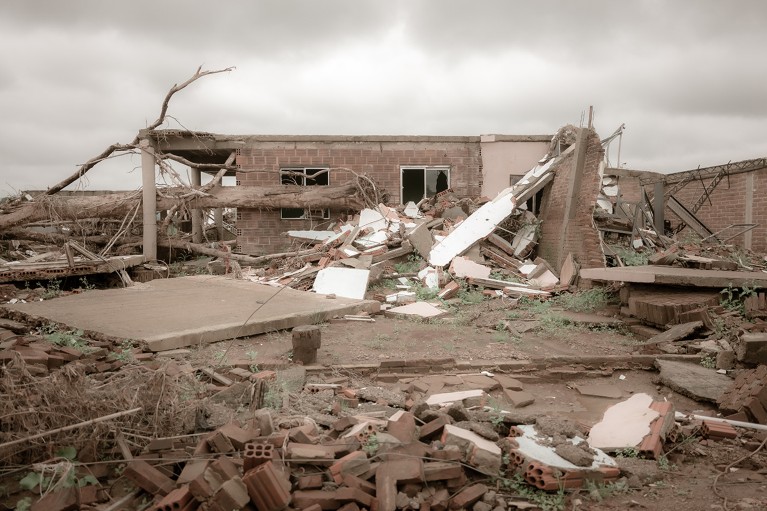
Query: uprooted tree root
column 31, row 405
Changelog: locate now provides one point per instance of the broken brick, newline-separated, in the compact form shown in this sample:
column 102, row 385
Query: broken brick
column 468, row 496
column 148, row 478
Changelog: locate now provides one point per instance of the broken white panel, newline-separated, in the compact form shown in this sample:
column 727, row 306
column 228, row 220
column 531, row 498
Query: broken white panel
column 404, row 281
column 350, row 252
column 624, row 424
column 343, row 282
column 395, row 297
column 412, row 210
column 637, row 243
column 604, row 203
column 388, row 213
column 311, row 235
column 430, row 277
column 334, row 237
column 463, row 267
column 372, row 240
column 527, row 269
column 609, row 180
column 526, row 236
column 610, row 191
column 479, row 225
column 448, row 398
column 544, row 280
column 535, row 446
column 420, row 309
column 370, row 218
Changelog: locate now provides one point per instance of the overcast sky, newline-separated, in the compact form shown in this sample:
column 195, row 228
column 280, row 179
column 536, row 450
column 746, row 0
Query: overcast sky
column 686, row 77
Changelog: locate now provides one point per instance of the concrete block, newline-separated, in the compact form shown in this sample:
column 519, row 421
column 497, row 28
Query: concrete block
column 310, row 482
column 519, row 398
column 326, row 500
column 756, row 410
column 752, row 348
column 256, row 454
column 433, row 428
column 387, row 476
column 233, row 494
column 477, row 451
column 177, row 499
column 268, row 487
column 403, row 427
column 468, row 496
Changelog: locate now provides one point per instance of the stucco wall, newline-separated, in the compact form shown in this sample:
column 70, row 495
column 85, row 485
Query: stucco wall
column 501, row 159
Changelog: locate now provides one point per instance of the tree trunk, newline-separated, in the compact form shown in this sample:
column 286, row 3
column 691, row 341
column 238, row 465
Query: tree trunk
column 117, row 205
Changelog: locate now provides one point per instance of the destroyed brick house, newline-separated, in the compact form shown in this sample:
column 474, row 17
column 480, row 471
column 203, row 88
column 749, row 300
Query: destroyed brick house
column 503, row 217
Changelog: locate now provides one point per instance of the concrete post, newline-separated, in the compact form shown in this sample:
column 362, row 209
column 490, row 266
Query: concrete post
column 218, row 215
column 748, row 216
column 196, row 213
column 149, row 199
column 658, row 205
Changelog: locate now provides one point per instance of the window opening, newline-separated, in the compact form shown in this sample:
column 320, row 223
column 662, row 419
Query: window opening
column 423, row 182
column 305, row 176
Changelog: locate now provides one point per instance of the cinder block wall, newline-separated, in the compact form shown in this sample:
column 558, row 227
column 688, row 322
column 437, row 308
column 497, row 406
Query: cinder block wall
column 728, row 206
column 561, row 235
column 260, row 232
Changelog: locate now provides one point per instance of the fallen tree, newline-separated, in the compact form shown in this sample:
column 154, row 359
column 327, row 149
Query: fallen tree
column 118, row 205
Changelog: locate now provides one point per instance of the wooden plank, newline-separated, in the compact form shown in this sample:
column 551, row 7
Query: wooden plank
column 501, row 243
column 405, row 249
column 673, row 275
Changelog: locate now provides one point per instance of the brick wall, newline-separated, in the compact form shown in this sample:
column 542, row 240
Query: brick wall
column 260, row 232
column 561, row 235
column 728, row 206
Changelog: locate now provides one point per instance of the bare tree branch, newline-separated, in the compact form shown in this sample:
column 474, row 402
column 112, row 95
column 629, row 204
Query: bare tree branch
column 196, row 76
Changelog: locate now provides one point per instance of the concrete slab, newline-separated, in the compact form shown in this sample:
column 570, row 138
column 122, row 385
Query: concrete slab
column 187, row 311
column 674, row 275
column 693, row 380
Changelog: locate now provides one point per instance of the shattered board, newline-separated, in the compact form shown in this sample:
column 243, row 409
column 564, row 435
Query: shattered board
column 532, row 446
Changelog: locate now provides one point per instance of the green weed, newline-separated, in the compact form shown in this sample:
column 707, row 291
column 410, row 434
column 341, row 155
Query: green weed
column 67, row 339
column 52, row 290
column 590, row 300
column 733, row 299
column 86, row 285
column 412, row 265
column 632, row 257
column 545, row 501
column 708, row 362
column 372, row 445
column 470, row 296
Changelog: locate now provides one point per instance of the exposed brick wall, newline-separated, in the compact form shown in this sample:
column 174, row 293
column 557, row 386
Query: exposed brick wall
column 728, row 206
column 561, row 235
column 260, row 232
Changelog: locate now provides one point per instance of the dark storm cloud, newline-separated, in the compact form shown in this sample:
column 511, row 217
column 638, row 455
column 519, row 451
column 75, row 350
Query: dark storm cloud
column 685, row 76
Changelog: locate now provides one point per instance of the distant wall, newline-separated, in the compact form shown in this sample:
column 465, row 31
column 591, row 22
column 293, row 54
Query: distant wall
column 504, row 156
column 261, row 232
column 729, row 204
column 568, row 203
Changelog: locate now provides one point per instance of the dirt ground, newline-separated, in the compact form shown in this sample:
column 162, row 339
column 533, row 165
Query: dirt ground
column 684, row 478
column 491, row 332
column 472, row 334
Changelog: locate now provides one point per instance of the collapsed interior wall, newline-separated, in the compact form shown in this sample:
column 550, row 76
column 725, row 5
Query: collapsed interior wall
column 568, row 203
column 260, row 231
column 739, row 198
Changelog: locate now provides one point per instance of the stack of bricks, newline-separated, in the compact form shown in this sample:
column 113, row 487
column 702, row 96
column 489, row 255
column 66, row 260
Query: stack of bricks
column 746, row 399
column 670, row 307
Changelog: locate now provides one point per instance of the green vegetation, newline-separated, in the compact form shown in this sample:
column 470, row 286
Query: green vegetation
column 708, row 362
column 67, row 339
column 627, row 452
column 600, row 491
column 734, row 299
column 470, row 296
column 125, row 353
column 412, row 265
column 52, row 290
column 590, row 300
column 545, row 501
column 632, row 257
column 371, row 445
